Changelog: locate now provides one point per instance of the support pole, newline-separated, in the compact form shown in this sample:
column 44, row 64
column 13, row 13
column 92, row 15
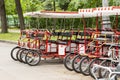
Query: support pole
column 54, row 6
column 106, row 19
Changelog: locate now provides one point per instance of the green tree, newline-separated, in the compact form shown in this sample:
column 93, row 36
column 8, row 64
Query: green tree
column 63, row 4
column 54, row 5
column 114, row 2
column 20, row 14
column 33, row 5
column 10, row 7
column 27, row 6
column 4, row 26
column 48, row 5
column 75, row 5
column 78, row 4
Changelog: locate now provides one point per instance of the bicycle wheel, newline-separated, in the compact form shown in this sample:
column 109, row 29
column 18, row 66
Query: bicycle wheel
column 94, row 61
column 68, row 61
column 107, row 63
column 32, row 58
column 18, row 54
column 102, row 73
column 117, row 77
column 23, row 55
column 14, row 52
column 84, row 65
column 76, row 62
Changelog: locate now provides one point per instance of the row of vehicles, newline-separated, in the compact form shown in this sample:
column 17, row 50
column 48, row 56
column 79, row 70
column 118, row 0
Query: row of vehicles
column 91, row 51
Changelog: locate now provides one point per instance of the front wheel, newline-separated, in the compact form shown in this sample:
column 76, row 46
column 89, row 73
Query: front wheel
column 68, row 61
column 14, row 52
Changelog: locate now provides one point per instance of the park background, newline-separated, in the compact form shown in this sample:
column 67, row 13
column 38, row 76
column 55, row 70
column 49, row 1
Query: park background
column 12, row 19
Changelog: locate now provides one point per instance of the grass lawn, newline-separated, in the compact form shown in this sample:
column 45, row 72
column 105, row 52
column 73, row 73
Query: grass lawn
column 11, row 36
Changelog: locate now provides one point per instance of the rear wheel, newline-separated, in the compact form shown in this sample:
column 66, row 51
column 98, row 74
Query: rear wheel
column 68, row 61
column 76, row 63
column 32, row 58
column 14, row 52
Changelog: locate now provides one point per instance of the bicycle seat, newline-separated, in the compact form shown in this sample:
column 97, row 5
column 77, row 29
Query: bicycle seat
column 23, row 32
column 73, row 41
column 39, row 35
column 56, row 33
column 61, row 42
column 80, row 41
column 75, row 33
column 67, row 34
column 52, row 41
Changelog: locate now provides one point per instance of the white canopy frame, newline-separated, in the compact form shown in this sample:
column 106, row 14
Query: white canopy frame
column 90, row 12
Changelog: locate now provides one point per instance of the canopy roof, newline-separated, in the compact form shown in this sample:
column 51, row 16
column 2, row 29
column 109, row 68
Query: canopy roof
column 90, row 12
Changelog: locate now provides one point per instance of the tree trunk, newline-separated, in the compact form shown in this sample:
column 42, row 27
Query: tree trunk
column 54, row 5
column 20, row 14
column 4, row 27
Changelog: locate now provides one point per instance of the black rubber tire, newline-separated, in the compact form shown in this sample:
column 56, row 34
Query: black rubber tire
column 76, row 62
column 116, row 78
column 23, row 54
column 106, row 63
column 68, row 61
column 18, row 54
column 86, row 66
column 14, row 52
column 31, row 56
column 94, row 61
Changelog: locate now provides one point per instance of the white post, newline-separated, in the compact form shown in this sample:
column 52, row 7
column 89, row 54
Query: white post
column 105, row 3
column 106, row 20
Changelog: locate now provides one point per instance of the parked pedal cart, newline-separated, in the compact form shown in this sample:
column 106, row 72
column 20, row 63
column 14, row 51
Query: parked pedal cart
column 35, row 44
column 99, row 44
column 109, row 69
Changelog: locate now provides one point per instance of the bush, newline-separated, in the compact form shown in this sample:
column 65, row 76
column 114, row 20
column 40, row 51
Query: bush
column 50, row 23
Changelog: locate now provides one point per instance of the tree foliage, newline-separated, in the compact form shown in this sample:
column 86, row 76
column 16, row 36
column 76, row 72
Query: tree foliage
column 47, row 5
column 60, row 5
column 63, row 4
column 3, row 19
column 69, row 5
column 10, row 7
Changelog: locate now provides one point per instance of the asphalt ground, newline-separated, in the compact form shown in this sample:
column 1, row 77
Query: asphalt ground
column 46, row 70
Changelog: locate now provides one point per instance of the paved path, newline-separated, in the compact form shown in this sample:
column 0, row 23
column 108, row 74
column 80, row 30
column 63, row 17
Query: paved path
column 13, row 70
